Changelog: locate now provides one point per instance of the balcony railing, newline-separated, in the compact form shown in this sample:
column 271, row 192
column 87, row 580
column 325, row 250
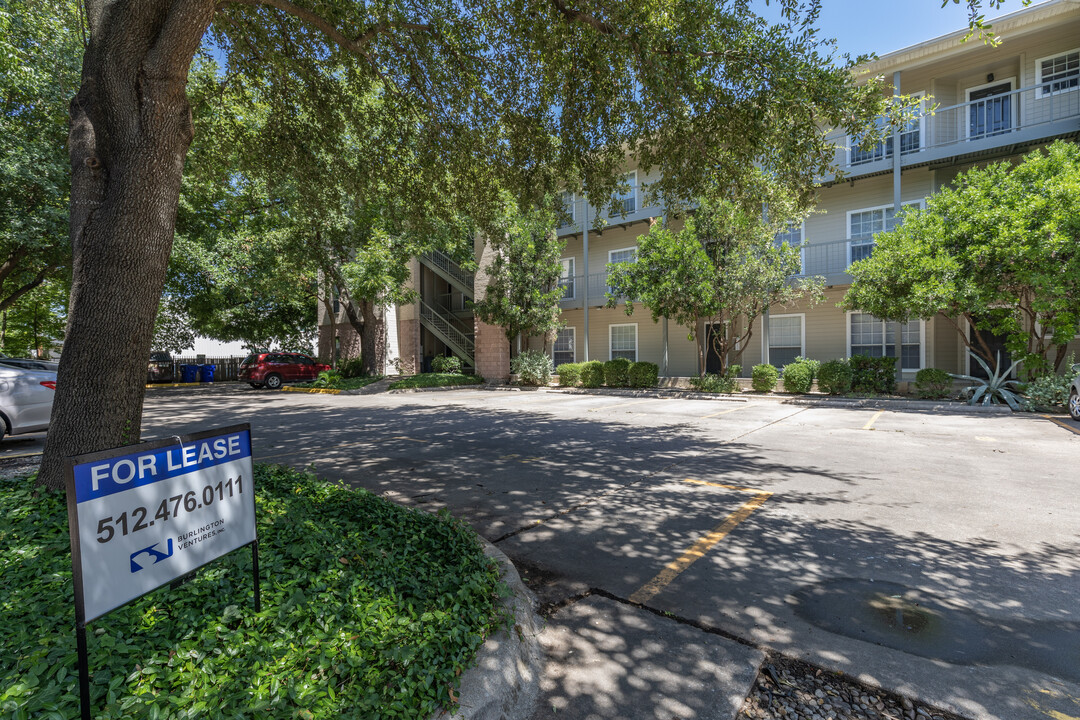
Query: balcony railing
column 1018, row 116
column 598, row 290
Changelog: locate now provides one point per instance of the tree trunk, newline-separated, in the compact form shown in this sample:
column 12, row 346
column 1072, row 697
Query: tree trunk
column 130, row 131
column 373, row 337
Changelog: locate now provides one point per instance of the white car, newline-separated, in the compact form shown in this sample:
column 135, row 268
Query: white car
column 26, row 398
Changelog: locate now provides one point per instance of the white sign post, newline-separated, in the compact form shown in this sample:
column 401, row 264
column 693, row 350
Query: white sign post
column 143, row 516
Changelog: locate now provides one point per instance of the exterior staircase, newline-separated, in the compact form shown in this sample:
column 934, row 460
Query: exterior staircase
column 441, row 264
column 442, row 325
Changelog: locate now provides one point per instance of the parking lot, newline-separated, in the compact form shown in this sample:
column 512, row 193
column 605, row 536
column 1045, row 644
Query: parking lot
column 933, row 554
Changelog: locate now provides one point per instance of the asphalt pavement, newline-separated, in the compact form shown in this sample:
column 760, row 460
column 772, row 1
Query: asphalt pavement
column 932, row 555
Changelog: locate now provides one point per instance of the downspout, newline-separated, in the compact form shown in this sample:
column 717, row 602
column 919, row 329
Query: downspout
column 585, row 242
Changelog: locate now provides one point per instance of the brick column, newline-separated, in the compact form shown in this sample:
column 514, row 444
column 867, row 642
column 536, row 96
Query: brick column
column 492, row 353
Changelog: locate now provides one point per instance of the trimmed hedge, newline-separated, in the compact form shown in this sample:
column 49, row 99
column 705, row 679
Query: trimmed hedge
column 592, row 374
column 765, row 378
column 569, row 374
column 871, row 375
column 798, row 378
column 834, row 377
column 446, row 364
column 617, row 372
column 644, row 375
column 931, row 383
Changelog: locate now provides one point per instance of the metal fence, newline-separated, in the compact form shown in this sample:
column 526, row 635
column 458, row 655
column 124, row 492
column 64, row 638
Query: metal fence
column 226, row 368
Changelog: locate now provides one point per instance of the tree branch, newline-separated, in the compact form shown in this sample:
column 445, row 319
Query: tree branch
column 10, row 299
column 357, row 45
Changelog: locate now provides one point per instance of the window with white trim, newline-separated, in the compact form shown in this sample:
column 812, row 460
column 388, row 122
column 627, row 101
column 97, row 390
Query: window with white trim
column 623, row 341
column 911, row 139
column 1058, row 74
column 863, row 225
column 785, row 339
column 621, row 256
column 626, row 202
column 793, row 236
column 877, row 338
column 566, row 198
column 566, row 279
column 564, row 349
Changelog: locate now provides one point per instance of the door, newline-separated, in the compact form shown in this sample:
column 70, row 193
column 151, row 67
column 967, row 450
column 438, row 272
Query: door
column 990, row 112
column 712, row 359
column 996, row 343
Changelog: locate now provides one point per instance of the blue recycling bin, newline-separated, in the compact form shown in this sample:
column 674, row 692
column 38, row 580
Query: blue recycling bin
column 207, row 373
column 189, row 373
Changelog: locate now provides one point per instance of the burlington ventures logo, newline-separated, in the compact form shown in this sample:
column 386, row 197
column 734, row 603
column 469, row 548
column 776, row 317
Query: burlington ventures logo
column 151, row 552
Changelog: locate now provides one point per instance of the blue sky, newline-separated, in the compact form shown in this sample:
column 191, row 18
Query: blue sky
column 881, row 26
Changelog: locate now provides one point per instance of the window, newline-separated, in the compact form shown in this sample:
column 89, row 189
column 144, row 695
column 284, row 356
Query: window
column 863, row 225
column 910, row 140
column 876, row 338
column 566, row 280
column 563, row 351
column 793, row 236
column 567, row 200
column 1058, row 74
column 623, row 341
column 626, row 203
column 786, row 338
column 621, row 256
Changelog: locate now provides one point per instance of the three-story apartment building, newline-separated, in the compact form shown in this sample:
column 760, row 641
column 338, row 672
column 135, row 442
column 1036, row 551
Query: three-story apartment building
column 981, row 103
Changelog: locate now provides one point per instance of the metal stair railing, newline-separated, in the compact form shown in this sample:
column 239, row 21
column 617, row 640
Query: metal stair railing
column 449, row 270
column 440, row 324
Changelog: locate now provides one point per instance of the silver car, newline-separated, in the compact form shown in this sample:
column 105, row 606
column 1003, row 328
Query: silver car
column 26, row 398
column 1074, row 394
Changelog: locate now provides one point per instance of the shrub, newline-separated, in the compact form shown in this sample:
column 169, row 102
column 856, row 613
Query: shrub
column 834, row 377
column 873, row 375
column 644, row 375
column 765, row 377
column 569, row 374
column 592, row 374
column 812, row 365
column 351, row 368
column 532, row 367
column 450, row 364
column 617, row 372
column 327, row 378
column 1048, row 391
column 798, row 377
column 711, row 383
column 932, row 383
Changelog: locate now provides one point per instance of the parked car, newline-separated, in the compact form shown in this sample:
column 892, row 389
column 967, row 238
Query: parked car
column 1074, row 394
column 29, row 364
column 272, row 370
column 160, row 369
column 26, row 398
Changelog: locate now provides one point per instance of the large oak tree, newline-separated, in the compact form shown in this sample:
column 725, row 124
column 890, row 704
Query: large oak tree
column 521, row 95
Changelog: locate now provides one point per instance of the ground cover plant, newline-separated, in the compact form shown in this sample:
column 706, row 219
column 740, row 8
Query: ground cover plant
column 335, row 381
column 435, row 380
column 369, row 610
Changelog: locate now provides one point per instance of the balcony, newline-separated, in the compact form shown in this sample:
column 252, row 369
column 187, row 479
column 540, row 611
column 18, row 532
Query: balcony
column 574, row 293
column 1005, row 122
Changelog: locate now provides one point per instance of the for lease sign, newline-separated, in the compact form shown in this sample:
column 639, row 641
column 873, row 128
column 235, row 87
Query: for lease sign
column 143, row 516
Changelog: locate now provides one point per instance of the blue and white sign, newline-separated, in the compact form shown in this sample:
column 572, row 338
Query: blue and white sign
column 142, row 517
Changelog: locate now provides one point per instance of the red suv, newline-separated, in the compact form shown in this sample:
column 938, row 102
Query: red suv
column 274, row 369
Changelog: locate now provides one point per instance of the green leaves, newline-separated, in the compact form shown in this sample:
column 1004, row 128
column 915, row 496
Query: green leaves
column 369, row 610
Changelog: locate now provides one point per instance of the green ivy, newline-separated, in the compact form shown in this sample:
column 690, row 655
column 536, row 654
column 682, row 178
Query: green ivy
column 370, row 610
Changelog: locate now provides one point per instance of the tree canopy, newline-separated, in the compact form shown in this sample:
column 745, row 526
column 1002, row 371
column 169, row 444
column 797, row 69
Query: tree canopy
column 531, row 97
column 723, row 269
column 999, row 249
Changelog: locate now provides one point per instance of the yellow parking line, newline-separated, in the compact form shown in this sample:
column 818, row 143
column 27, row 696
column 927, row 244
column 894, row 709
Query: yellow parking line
column 870, row 424
column 1068, row 427
column 673, row 569
column 722, row 412
column 616, row 407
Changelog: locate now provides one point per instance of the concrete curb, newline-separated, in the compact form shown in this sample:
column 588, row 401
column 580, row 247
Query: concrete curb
column 401, row 391
column 919, row 406
column 312, row 391
column 643, row 392
column 505, row 681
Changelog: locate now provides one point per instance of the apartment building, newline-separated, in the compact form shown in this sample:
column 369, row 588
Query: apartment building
column 988, row 104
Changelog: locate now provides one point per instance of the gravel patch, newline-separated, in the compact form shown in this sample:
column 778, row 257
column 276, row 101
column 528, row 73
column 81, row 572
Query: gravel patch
column 791, row 690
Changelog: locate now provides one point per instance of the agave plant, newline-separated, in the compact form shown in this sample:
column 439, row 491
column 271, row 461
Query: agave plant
column 995, row 389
